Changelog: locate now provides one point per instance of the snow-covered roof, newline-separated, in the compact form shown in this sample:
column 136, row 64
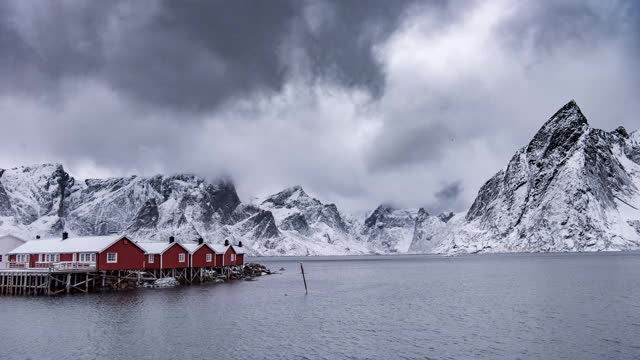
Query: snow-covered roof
column 155, row 247
column 191, row 247
column 238, row 249
column 219, row 248
column 69, row 245
column 160, row 247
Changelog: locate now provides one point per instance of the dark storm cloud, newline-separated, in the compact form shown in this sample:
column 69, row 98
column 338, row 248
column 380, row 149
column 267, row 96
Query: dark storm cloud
column 192, row 55
column 548, row 25
column 360, row 101
column 449, row 192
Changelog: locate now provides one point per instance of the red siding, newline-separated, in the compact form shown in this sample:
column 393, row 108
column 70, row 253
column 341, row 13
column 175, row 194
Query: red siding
column 227, row 257
column 170, row 257
column 32, row 260
column 66, row 257
column 155, row 264
column 130, row 256
column 199, row 258
column 240, row 259
column 219, row 260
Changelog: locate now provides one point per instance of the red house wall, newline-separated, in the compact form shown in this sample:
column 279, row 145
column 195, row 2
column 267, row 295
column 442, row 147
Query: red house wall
column 170, row 258
column 227, row 257
column 66, row 257
column 239, row 259
column 219, row 260
column 130, row 256
column 156, row 262
column 33, row 258
column 199, row 258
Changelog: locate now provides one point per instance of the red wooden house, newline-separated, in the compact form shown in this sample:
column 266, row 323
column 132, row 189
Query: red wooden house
column 229, row 255
column 162, row 256
column 202, row 255
column 100, row 253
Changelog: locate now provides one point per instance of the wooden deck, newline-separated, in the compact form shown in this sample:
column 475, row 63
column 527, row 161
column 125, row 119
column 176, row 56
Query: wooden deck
column 71, row 278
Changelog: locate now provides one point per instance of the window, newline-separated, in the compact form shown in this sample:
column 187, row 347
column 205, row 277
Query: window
column 233, row 257
column 181, row 257
column 0, row 258
column 88, row 257
column 22, row 258
column 112, row 258
column 52, row 258
column 151, row 259
column 209, row 257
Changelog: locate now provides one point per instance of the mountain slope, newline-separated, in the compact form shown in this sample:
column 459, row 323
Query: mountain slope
column 572, row 188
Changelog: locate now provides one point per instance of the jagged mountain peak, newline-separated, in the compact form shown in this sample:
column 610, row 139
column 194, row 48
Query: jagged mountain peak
column 561, row 130
column 621, row 131
column 291, row 197
column 568, row 115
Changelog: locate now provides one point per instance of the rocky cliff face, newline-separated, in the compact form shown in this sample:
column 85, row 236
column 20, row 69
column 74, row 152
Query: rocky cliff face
column 572, row 188
column 391, row 230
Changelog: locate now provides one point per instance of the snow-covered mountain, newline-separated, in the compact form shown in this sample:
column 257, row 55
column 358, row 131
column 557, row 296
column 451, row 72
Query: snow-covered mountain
column 572, row 188
column 45, row 200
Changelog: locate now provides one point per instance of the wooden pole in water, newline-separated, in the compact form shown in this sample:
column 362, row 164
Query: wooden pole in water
column 304, row 279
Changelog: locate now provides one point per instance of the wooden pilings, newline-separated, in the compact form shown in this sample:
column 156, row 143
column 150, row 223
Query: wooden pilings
column 24, row 283
column 30, row 282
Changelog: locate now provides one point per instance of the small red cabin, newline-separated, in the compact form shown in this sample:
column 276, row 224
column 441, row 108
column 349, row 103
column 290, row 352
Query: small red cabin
column 202, row 255
column 170, row 255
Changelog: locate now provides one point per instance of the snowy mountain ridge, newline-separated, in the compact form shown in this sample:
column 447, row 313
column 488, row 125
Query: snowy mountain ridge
column 572, row 188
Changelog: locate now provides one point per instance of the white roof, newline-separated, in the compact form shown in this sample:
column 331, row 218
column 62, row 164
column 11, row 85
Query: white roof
column 70, row 245
column 192, row 247
column 238, row 249
column 218, row 248
column 155, row 247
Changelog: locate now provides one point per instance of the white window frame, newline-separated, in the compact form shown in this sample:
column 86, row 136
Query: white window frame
column 22, row 258
column 182, row 257
column 51, row 258
column 151, row 258
column 115, row 258
column 209, row 257
column 233, row 257
column 87, row 257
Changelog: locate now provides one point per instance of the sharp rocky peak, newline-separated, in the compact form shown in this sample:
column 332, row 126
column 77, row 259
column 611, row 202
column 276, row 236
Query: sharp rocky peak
column 290, row 197
column 563, row 128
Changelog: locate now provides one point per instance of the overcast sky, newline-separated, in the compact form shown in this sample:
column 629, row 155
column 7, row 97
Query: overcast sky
column 416, row 103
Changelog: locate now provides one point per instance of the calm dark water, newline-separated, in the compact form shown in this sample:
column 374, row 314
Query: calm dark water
column 579, row 306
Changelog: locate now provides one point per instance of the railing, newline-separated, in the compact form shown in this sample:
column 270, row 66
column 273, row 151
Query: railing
column 42, row 265
column 74, row 265
column 55, row 266
column 18, row 265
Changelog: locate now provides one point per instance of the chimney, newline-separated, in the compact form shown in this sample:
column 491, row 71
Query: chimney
column 239, row 243
column 65, row 235
column 200, row 241
column 226, row 242
column 37, row 236
column 171, row 239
